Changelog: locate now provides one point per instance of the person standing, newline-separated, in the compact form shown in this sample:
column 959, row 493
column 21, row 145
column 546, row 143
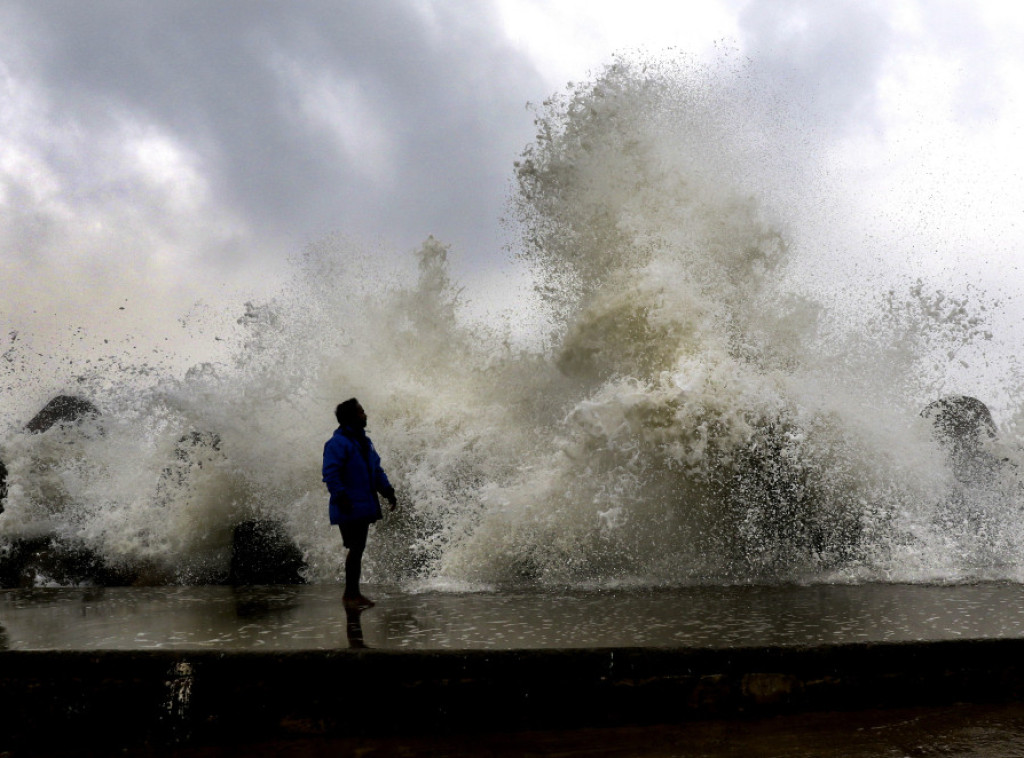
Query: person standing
column 354, row 477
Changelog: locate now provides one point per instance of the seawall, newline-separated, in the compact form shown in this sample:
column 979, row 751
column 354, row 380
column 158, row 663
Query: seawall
column 208, row 665
column 124, row 698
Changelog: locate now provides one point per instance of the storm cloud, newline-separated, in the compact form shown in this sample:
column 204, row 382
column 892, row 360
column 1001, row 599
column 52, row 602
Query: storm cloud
column 151, row 153
column 263, row 124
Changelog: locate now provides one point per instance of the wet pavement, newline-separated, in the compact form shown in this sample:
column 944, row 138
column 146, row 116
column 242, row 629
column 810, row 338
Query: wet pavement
column 850, row 670
column 313, row 618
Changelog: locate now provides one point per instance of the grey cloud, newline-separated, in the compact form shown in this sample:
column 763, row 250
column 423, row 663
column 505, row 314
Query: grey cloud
column 438, row 85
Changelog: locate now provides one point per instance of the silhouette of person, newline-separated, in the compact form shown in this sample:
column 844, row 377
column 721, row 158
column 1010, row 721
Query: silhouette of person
column 353, row 477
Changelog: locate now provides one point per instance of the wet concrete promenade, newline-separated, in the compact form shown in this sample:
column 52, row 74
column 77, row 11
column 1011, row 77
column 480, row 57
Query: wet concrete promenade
column 203, row 664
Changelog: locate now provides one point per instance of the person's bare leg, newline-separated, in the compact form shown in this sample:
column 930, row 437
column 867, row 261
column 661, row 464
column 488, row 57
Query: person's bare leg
column 353, row 571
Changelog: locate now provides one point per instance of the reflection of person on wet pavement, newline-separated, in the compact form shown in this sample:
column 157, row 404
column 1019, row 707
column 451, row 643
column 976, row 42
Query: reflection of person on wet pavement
column 354, row 626
column 353, row 476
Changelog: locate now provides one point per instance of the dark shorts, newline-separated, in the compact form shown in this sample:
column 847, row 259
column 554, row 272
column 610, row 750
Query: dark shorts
column 354, row 533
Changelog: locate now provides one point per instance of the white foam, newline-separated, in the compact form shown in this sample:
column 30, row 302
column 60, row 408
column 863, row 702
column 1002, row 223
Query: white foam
column 695, row 415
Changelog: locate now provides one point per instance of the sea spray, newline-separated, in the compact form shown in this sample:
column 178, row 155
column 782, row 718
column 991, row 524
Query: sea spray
column 693, row 414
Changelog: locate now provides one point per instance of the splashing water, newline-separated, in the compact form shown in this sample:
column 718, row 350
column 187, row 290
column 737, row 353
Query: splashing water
column 692, row 415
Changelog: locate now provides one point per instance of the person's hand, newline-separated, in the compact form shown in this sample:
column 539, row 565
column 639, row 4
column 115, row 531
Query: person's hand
column 389, row 495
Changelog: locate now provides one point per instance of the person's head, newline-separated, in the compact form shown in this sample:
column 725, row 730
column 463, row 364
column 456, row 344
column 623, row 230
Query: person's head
column 351, row 413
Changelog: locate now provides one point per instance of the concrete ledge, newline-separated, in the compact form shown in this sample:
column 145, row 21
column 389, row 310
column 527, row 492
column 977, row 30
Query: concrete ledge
column 121, row 698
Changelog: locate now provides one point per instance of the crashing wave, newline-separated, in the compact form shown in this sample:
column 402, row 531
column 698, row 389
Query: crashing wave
column 692, row 416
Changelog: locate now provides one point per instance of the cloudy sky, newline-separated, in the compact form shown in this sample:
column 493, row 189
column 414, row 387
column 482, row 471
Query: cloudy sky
column 154, row 154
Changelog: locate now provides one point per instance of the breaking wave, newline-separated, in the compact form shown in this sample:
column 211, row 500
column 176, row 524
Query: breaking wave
column 690, row 411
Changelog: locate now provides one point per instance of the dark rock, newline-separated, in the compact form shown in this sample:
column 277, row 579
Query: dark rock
column 63, row 409
column 782, row 513
column 263, row 553
column 961, row 419
column 24, row 561
column 962, row 425
column 189, row 443
column 3, row 485
column 192, row 452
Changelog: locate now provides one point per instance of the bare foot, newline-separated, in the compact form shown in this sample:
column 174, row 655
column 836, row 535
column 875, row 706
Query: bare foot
column 357, row 601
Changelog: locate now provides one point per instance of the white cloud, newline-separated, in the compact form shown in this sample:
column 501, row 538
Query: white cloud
column 572, row 39
column 165, row 166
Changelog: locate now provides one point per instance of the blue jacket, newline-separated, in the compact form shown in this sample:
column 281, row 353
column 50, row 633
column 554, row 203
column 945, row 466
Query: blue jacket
column 353, row 475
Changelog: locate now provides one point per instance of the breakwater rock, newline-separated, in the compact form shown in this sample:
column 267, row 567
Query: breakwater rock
column 63, row 409
column 261, row 550
column 263, row 553
column 3, row 485
column 50, row 559
column 963, row 425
